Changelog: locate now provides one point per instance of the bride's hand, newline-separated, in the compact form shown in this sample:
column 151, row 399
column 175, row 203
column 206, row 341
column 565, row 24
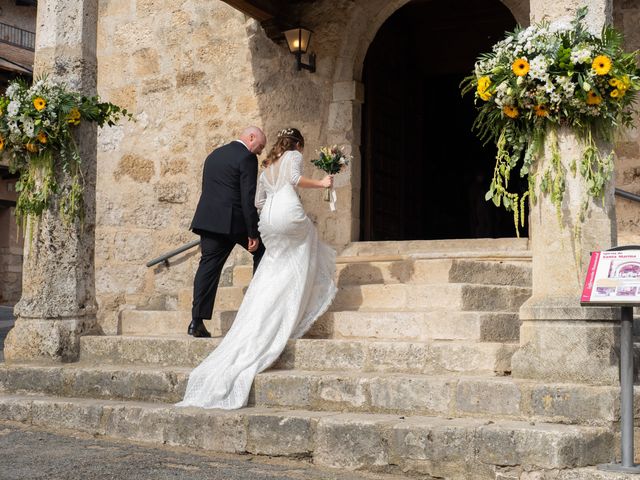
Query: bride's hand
column 327, row 181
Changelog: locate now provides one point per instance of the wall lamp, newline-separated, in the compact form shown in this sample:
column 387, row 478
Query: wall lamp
column 298, row 40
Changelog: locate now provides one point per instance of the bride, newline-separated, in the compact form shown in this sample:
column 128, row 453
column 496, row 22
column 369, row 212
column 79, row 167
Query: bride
column 291, row 288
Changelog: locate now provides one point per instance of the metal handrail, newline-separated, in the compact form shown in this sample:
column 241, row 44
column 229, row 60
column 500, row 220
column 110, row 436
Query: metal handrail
column 18, row 37
column 627, row 195
column 164, row 258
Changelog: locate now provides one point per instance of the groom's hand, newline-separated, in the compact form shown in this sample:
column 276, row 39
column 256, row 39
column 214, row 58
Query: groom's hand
column 253, row 244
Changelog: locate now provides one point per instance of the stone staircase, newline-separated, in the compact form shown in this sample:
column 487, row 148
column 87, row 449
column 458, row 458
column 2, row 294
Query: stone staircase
column 408, row 372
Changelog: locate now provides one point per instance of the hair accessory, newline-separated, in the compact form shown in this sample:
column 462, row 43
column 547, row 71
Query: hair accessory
column 287, row 132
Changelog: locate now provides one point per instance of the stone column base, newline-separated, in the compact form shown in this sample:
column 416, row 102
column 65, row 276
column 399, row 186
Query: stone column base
column 46, row 340
column 563, row 342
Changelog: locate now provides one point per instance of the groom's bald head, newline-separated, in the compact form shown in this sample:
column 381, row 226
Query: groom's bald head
column 254, row 138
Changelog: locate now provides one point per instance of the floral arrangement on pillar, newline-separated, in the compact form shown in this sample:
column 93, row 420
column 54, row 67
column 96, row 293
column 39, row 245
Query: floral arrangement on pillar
column 544, row 77
column 37, row 125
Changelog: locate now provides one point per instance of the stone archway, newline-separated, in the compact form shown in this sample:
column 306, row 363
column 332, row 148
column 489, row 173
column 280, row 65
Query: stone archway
column 345, row 111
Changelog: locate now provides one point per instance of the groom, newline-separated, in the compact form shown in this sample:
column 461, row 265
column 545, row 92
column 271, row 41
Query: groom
column 225, row 216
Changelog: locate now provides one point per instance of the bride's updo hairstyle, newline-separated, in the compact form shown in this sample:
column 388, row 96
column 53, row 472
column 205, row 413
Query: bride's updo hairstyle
column 288, row 139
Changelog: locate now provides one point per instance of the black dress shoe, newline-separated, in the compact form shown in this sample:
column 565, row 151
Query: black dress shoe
column 197, row 329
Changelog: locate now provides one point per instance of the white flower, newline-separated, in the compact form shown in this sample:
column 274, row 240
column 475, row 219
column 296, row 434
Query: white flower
column 560, row 26
column 13, row 108
column 538, row 68
column 582, row 55
column 28, row 127
column 586, row 87
column 11, row 90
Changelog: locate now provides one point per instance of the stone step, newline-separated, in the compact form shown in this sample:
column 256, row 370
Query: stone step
column 480, row 247
column 376, row 325
column 170, row 322
column 401, row 269
column 451, row 396
column 418, row 326
column 438, row 447
column 309, row 354
column 407, row 297
column 453, row 297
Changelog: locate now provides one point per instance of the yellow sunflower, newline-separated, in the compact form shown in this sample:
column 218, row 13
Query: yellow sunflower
column 31, row 147
column 593, row 98
column 509, row 111
column 541, row 110
column 42, row 138
column 601, row 65
column 520, row 67
column 615, row 93
column 74, row 116
column 39, row 103
column 483, row 86
column 1, row 143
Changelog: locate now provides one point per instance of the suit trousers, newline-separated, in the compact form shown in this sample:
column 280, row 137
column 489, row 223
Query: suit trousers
column 215, row 248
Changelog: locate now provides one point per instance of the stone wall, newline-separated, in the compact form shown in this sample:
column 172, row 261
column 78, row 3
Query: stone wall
column 194, row 74
column 10, row 257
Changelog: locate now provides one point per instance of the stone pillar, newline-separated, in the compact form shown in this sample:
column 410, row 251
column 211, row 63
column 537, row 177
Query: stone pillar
column 58, row 297
column 560, row 340
column 343, row 129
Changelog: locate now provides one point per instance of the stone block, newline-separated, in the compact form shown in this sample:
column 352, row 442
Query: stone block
column 216, row 430
column 436, row 447
column 284, row 389
column 352, row 441
column 341, row 392
column 287, row 434
column 499, row 398
column 547, row 445
column 415, row 394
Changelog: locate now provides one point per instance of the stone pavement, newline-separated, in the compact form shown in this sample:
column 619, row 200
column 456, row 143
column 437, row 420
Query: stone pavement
column 34, row 454
column 6, row 322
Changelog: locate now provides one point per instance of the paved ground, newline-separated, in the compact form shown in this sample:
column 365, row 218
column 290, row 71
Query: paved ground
column 6, row 322
column 28, row 453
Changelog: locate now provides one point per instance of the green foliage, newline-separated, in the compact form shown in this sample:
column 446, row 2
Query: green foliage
column 37, row 124
column 543, row 77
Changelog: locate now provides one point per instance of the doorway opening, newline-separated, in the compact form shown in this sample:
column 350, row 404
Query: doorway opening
column 424, row 172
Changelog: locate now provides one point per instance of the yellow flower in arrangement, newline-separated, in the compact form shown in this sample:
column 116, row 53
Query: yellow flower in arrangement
column 42, row 137
column 31, row 147
column 601, row 65
column 74, row 116
column 483, row 86
column 541, row 110
column 593, row 98
column 520, row 67
column 39, row 103
column 615, row 93
column 511, row 112
column 1, row 143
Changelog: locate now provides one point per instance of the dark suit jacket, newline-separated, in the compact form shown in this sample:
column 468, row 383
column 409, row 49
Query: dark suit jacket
column 227, row 202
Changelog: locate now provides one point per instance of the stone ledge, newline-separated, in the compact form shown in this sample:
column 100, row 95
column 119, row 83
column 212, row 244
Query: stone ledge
column 434, row 446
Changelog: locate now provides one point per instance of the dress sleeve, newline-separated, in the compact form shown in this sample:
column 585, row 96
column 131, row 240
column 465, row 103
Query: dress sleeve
column 261, row 193
column 296, row 168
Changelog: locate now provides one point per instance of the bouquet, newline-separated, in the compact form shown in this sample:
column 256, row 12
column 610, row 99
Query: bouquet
column 36, row 134
column 332, row 160
column 542, row 77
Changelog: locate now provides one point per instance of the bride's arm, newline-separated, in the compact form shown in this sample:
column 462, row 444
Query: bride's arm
column 261, row 195
column 303, row 182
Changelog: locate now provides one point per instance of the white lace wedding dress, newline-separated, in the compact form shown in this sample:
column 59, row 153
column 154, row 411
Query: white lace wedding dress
column 291, row 288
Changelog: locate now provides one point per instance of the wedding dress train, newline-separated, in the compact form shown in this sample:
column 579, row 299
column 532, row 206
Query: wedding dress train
column 291, row 288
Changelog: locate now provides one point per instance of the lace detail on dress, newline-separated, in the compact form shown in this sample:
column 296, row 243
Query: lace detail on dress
column 292, row 287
